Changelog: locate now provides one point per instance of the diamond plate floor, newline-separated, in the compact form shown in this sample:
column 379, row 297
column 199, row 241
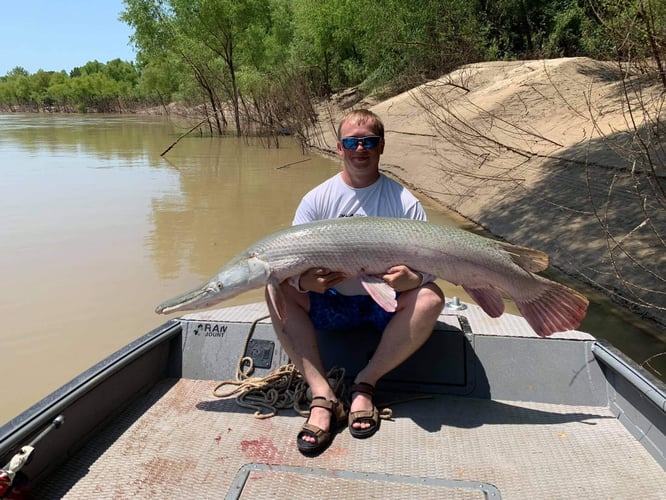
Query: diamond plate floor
column 181, row 442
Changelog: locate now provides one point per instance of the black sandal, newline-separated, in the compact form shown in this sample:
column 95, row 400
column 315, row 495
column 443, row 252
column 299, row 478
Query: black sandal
column 369, row 416
column 322, row 438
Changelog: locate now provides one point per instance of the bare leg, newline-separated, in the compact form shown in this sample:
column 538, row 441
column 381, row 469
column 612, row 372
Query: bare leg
column 408, row 330
column 297, row 336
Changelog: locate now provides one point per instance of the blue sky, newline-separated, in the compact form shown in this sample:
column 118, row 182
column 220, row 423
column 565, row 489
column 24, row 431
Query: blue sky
column 61, row 34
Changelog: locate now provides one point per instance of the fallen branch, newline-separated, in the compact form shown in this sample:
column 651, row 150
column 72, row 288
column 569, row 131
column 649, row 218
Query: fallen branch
column 186, row 133
column 292, row 163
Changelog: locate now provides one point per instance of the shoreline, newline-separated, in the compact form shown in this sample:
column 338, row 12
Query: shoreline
column 543, row 177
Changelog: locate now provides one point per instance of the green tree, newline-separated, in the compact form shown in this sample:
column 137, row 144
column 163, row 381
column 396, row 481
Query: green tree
column 161, row 80
column 636, row 28
column 413, row 45
column 18, row 71
column 59, row 92
column 214, row 38
column 227, row 29
column 160, row 41
column 122, row 71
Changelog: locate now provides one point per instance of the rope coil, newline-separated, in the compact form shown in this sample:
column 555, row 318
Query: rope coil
column 284, row 387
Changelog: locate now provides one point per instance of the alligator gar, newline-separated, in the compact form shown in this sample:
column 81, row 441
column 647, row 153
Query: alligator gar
column 364, row 247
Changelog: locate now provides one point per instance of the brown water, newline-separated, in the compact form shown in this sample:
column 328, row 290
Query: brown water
column 97, row 229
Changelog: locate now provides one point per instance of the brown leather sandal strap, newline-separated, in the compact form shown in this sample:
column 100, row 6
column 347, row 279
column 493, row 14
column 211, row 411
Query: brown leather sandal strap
column 322, row 402
column 364, row 415
column 363, row 387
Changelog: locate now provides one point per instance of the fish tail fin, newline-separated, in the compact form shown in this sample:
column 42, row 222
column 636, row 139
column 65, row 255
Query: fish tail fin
column 488, row 298
column 557, row 308
column 529, row 259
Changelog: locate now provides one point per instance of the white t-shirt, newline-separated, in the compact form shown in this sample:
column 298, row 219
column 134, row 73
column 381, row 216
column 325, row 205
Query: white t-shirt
column 333, row 199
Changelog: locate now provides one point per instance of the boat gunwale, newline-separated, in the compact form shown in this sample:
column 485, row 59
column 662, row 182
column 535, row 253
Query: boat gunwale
column 19, row 429
column 642, row 380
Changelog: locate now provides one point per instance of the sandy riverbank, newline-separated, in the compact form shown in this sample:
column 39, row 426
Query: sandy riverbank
column 540, row 153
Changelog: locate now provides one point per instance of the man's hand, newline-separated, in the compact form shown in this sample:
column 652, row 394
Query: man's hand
column 320, row 279
column 402, row 278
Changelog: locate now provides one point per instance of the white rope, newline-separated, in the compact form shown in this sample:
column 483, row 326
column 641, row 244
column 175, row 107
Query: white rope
column 17, row 462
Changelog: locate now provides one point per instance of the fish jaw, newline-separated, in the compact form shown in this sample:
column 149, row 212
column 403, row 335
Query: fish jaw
column 238, row 276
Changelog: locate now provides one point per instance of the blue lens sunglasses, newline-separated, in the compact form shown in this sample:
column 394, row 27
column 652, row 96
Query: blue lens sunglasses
column 369, row 142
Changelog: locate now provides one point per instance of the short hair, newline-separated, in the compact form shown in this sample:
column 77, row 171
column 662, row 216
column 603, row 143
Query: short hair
column 360, row 117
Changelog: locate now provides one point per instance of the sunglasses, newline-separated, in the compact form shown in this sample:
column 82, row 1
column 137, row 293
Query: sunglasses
column 369, row 142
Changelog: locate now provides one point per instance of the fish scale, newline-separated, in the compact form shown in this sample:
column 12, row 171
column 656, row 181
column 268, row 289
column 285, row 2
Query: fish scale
column 361, row 246
column 370, row 243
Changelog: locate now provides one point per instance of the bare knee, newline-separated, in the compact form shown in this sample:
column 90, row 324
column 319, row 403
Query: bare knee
column 427, row 300
column 431, row 298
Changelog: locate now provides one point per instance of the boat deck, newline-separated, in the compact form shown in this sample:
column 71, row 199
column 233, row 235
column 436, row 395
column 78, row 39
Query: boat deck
column 180, row 441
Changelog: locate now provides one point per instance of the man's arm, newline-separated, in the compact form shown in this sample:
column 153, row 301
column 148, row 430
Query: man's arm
column 316, row 279
column 402, row 278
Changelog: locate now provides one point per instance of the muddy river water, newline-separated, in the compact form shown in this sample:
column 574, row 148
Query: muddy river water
column 96, row 229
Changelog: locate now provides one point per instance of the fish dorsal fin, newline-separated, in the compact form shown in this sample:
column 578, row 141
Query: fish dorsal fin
column 529, row 259
column 380, row 292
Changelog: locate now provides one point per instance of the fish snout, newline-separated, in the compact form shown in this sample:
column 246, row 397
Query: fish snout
column 199, row 298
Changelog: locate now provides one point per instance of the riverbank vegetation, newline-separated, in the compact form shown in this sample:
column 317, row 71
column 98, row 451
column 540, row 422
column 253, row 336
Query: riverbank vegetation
column 256, row 63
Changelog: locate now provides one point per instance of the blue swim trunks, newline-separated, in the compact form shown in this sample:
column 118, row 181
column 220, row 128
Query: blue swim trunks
column 333, row 311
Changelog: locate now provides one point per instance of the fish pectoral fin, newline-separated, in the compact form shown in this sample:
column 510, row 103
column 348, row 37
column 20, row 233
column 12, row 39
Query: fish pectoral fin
column 380, row 292
column 488, row 298
column 276, row 297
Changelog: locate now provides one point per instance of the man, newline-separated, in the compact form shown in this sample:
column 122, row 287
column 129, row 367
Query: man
column 321, row 299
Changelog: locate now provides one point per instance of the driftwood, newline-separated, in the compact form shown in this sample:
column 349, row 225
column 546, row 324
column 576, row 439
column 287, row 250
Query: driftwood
column 179, row 138
column 292, row 163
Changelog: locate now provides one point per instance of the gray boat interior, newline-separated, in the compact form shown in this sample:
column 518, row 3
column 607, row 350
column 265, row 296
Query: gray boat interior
column 506, row 414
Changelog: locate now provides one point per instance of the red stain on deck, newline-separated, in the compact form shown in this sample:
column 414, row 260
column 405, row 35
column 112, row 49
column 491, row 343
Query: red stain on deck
column 218, row 438
column 261, row 450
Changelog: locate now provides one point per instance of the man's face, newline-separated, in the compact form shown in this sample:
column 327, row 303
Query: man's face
column 359, row 157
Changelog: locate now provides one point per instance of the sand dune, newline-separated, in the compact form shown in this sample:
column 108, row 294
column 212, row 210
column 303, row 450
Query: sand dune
column 541, row 153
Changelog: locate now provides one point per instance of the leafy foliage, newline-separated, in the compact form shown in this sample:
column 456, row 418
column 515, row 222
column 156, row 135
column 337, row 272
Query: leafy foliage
column 95, row 86
column 228, row 55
